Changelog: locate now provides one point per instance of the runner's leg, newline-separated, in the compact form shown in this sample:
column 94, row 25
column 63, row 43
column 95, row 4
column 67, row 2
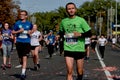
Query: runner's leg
column 69, row 65
column 79, row 66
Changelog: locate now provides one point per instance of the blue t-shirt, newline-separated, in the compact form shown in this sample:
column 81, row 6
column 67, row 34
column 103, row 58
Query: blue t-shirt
column 51, row 38
column 6, row 37
column 23, row 37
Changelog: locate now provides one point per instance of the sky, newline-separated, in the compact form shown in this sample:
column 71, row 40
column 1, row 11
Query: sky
column 46, row 5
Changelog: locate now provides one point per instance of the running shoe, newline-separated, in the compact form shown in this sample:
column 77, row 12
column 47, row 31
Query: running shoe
column 18, row 66
column 8, row 66
column 38, row 65
column 35, row 68
column 54, row 54
column 86, row 58
column 3, row 66
column 22, row 77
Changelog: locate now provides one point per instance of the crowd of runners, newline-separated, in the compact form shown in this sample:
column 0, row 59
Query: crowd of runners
column 74, row 41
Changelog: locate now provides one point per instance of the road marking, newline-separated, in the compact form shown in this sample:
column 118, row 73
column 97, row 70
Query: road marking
column 107, row 73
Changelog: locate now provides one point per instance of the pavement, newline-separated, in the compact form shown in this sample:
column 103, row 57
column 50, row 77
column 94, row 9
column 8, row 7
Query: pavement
column 55, row 68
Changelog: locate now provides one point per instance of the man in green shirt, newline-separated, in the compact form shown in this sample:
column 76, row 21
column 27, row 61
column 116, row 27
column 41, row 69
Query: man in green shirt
column 74, row 29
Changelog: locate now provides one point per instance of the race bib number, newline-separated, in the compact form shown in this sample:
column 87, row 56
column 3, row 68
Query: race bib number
column 25, row 31
column 5, row 36
column 71, row 40
column 23, row 36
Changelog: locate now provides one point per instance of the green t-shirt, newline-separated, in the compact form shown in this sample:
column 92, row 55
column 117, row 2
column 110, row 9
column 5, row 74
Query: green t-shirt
column 69, row 25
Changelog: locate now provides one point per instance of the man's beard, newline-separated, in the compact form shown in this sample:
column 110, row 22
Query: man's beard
column 71, row 15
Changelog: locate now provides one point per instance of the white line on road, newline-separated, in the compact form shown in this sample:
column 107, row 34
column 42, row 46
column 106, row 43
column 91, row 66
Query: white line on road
column 107, row 73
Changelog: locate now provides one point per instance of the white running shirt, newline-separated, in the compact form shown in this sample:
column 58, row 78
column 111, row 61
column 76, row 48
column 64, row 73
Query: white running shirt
column 114, row 40
column 102, row 41
column 35, row 38
column 87, row 40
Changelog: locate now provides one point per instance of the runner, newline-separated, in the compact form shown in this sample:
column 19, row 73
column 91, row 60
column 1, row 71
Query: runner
column 1, row 51
column 22, row 29
column 56, row 44
column 41, row 43
column 6, row 46
column 93, row 42
column 75, row 30
column 87, row 47
column 35, row 38
column 113, row 42
column 61, row 46
column 102, row 41
column 51, row 43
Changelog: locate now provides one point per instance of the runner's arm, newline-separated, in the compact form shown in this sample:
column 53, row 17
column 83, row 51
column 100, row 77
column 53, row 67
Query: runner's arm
column 86, row 34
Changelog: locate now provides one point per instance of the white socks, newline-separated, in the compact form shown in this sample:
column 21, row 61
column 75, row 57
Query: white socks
column 23, row 71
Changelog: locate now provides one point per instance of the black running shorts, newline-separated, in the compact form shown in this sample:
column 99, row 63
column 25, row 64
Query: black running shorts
column 22, row 49
column 75, row 55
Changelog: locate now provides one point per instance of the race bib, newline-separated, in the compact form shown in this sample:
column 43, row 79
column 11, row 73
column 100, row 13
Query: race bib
column 69, row 35
column 5, row 36
column 23, row 36
column 71, row 40
column 25, row 31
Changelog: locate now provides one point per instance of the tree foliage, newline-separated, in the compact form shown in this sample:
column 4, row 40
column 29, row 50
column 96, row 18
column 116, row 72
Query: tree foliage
column 91, row 11
column 8, row 11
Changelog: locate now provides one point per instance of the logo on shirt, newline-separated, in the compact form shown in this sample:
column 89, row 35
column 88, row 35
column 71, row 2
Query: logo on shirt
column 71, row 27
column 27, row 26
column 20, row 26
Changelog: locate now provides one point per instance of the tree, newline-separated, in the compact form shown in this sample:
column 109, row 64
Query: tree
column 91, row 11
column 8, row 11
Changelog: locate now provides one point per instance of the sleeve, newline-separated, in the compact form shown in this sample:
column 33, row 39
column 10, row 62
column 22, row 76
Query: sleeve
column 86, row 34
column 61, row 27
column 10, row 32
column 31, row 26
column 85, row 25
column 61, row 30
column 15, row 27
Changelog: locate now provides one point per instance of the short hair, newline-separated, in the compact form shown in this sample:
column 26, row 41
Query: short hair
column 24, row 11
column 69, row 4
column 50, row 30
column 102, row 35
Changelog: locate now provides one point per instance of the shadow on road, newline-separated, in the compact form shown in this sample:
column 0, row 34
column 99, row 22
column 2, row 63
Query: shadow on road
column 15, row 75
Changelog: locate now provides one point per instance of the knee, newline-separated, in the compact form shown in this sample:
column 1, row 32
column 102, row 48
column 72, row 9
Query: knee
column 4, row 54
column 69, row 72
column 35, row 55
column 80, row 71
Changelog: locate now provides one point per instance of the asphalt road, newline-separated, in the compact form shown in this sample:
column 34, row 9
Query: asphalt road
column 55, row 69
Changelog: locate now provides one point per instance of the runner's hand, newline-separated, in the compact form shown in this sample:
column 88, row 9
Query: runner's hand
column 77, row 34
column 21, row 30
